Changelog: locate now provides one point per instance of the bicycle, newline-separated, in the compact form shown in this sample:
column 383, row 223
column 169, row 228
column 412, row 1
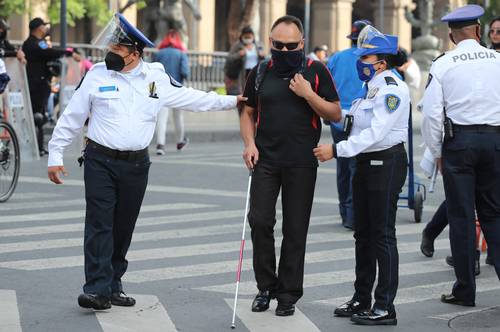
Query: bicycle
column 10, row 161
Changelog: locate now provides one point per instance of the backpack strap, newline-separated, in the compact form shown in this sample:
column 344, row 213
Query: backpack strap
column 261, row 72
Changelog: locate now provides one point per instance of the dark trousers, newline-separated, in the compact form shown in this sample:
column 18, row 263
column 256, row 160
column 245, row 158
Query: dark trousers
column 297, row 191
column 471, row 173
column 345, row 173
column 114, row 190
column 438, row 222
column 39, row 95
column 377, row 183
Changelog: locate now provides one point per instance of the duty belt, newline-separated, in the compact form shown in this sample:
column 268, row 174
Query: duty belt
column 476, row 128
column 117, row 154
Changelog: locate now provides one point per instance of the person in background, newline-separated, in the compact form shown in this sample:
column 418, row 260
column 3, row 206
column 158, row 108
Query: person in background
column 172, row 56
column 6, row 48
column 319, row 53
column 244, row 55
column 494, row 33
column 410, row 73
column 38, row 55
column 342, row 66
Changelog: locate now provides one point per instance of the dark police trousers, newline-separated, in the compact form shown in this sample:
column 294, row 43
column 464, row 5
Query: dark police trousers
column 438, row 222
column 297, row 191
column 114, row 190
column 377, row 183
column 39, row 95
column 471, row 174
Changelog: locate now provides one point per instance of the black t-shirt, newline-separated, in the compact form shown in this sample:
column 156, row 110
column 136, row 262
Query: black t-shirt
column 287, row 127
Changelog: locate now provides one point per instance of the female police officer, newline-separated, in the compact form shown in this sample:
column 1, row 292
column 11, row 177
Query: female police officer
column 378, row 132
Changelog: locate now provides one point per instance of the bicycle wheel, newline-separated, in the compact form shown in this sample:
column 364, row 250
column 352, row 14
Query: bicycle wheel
column 10, row 161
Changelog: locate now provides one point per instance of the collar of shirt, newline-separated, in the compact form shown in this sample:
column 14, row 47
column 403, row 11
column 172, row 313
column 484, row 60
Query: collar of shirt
column 378, row 79
column 467, row 42
column 140, row 69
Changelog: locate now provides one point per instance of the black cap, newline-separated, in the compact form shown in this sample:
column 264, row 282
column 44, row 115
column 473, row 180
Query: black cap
column 36, row 22
column 356, row 28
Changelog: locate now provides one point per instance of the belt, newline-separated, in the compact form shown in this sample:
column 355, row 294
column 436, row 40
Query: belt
column 476, row 128
column 382, row 153
column 117, row 154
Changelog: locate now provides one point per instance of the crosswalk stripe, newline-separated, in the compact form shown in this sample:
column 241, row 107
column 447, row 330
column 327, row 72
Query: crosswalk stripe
column 18, row 196
column 9, row 314
column 343, row 276
column 61, row 215
column 147, row 315
column 141, row 222
column 145, row 254
column 268, row 322
column 44, row 204
column 196, row 270
column 425, row 292
column 181, row 233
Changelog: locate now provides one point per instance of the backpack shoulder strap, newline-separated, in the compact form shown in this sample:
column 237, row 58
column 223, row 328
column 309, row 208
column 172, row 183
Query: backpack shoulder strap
column 261, row 72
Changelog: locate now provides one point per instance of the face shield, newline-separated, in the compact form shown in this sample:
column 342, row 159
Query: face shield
column 111, row 34
column 368, row 34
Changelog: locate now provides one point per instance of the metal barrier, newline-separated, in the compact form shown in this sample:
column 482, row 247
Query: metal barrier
column 207, row 69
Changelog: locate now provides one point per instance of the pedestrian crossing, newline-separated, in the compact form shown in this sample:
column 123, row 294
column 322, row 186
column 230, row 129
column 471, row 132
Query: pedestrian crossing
column 196, row 245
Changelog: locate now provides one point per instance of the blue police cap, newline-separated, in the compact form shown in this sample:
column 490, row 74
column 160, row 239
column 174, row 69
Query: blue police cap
column 372, row 41
column 133, row 33
column 464, row 16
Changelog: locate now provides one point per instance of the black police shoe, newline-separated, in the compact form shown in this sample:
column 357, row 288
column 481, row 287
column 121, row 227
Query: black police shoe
column 94, row 301
column 121, row 299
column 351, row 307
column 427, row 245
column 285, row 309
column 261, row 301
column 451, row 299
column 375, row 317
column 477, row 264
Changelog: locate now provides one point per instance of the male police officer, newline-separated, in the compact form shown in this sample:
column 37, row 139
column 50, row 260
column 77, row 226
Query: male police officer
column 463, row 92
column 38, row 53
column 122, row 97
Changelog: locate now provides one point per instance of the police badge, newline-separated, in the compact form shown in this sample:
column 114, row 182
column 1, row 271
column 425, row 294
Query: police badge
column 392, row 102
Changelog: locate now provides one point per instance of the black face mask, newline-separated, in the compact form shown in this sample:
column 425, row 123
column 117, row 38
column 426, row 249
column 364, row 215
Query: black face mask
column 495, row 46
column 287, row 63
column 115, row 62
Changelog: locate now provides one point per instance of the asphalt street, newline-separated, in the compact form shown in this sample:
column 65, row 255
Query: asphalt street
column 183, row 258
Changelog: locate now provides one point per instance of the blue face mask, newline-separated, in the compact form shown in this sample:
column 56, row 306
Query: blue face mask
column 366, row 71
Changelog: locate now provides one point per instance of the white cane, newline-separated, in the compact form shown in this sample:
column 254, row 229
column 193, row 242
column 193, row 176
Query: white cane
column 242, row 247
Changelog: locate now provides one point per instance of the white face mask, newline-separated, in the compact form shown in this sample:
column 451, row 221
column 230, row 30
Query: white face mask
column 247, row 41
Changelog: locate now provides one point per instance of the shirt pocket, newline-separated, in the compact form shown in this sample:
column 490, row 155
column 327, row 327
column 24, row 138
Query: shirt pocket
column 149, row 109
column 107, row 103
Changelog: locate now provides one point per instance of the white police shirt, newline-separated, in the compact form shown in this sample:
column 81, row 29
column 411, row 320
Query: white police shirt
column 122, row 107
column 466, row 83
column 380, row 119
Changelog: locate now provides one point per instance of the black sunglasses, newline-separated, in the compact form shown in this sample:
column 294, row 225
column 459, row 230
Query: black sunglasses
column 280, row 45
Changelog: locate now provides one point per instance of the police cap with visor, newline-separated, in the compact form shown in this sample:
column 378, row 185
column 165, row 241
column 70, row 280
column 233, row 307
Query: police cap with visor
column 120, row 32
column 372, row 41
column 463, row 16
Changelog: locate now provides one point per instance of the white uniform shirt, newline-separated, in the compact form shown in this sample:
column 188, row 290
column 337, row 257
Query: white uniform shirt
column 466, row 83
column 377, row 125
column 122, row 108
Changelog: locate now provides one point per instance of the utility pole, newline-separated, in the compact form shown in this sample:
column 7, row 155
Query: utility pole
column 307, row 24
column 64, row 26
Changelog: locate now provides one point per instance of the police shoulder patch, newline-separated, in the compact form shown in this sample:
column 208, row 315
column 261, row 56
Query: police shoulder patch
column 43, row 44
column 389, row 80
column 392, row 102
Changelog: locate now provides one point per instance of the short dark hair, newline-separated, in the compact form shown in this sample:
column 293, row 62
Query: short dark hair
column 289, row 19
column 246, row 30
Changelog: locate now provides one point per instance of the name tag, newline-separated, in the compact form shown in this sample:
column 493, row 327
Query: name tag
column 376, row 162
column 108, row 88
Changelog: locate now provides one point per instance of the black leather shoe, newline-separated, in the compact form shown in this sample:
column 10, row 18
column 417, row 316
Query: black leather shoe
column 350, row 307
column 427, row 245
column 121, row 299
column 451, row 299
column 94, row 301
column 285, row 309
column 261, row 301
column 477, row 264
column 375, row 317
column 489, row 260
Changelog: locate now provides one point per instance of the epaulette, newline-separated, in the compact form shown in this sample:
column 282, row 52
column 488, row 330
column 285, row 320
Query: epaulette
column 438, row 56
column 390, row 81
